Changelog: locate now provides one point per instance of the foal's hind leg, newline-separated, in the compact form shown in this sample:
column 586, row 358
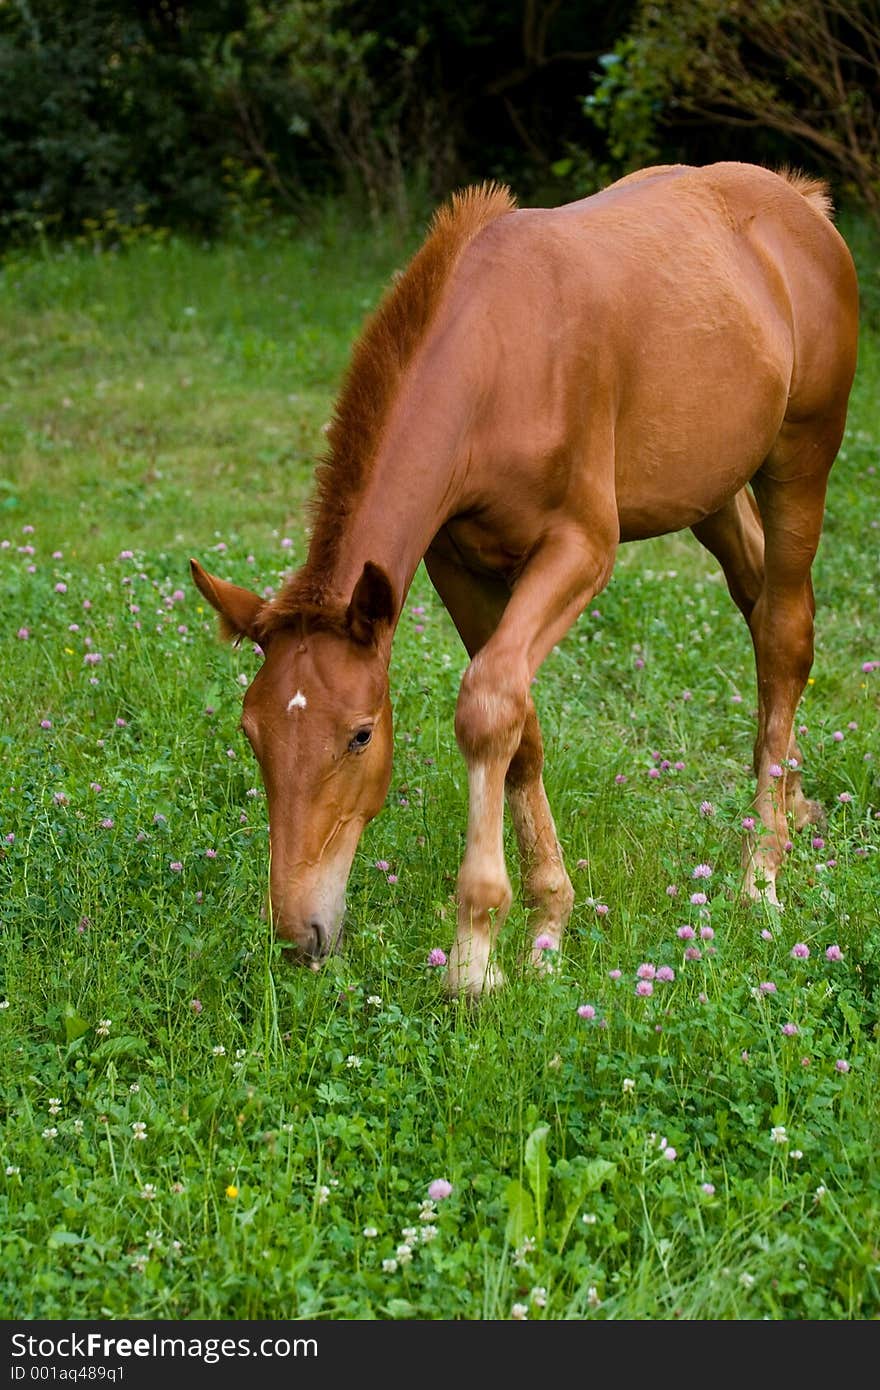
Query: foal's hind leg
column 735, row 536
column 790, row 492
column 475, row 605
column 547, row 888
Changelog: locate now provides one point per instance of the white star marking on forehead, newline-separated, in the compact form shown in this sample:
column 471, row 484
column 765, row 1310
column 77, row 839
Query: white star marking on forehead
column 297, row 701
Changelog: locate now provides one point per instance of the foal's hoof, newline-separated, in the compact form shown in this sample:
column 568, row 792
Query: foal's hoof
column 464, row 983
column 765, row 897
column 543, row 963
column 809, row 813
column 759, row 888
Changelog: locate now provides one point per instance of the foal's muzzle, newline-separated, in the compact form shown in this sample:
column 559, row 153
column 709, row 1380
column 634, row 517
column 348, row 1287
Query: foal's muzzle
column 311, row 943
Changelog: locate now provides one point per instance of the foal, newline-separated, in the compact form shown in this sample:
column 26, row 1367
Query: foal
column 674, row 352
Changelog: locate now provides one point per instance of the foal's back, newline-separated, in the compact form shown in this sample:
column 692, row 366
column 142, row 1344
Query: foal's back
column 657, row 334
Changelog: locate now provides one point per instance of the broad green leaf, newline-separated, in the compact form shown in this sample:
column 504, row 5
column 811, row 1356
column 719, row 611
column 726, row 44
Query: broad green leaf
column 538, row 1170
column 851, row 1017
column 400, row 1308
column 62, row 1237
column 121, row 1047
column 577, row 1179
column 595, row 1172
column 74, row 1026
column 520, row 1213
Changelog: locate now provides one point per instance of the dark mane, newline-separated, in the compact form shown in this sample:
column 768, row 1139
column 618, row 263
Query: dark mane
column 379, row 359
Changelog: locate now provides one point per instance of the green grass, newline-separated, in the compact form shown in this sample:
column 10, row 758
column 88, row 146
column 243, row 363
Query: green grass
column 169, row 402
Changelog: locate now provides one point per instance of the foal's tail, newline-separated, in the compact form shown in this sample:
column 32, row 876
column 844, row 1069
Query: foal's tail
column 815, row 190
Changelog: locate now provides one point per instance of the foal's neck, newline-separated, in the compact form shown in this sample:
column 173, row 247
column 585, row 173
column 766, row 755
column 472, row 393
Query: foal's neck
column 410, row 488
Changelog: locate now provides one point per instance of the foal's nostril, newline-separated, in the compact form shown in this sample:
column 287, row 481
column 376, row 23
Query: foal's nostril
column 320, row 939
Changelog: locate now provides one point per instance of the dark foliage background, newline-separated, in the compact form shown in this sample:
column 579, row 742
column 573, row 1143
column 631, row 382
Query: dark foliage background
column 196, row 115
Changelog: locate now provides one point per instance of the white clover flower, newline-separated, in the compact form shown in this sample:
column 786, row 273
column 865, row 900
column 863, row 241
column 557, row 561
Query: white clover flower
column 593, row 1299
column 589, row 1218
column 404, row 1253
column 103, row 1028
column 323, row 1194
column 747, row 1280
column 218, row 1051
column 50, row 1132
column 139, row 1129
column 370, row 1232
column 429, row 1233
column 539, row 1296
column 389, row 1266
column 522, row 1252
column 519, row 1312
column 778, row 1134
column 352, row 1061
column 409, row 1232
column 12, row 1169
column 148, row 1191
column 628, row 1084
column 134, row 1088
column 4, row 1003
column 375, row 1000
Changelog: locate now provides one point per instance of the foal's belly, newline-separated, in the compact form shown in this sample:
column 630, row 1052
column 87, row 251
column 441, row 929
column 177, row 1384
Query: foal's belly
column 654, row 510
column 676, row 466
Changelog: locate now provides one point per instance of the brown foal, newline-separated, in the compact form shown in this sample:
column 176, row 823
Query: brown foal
column 539, row 385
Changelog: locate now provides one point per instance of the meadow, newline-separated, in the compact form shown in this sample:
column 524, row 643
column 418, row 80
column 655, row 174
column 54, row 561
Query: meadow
column 679, row 1121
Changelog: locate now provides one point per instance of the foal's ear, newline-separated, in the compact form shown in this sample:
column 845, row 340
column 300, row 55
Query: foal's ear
column 238, row 608
column 372, row 604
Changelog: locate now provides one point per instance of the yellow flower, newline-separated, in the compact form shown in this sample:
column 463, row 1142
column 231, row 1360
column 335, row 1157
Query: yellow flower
column 232, row 1192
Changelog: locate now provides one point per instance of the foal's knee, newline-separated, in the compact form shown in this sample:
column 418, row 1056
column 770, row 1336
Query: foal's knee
column 483, row 897
column 491, row 710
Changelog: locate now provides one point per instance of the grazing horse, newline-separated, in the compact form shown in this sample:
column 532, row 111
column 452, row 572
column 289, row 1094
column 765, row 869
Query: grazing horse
column 674, row 352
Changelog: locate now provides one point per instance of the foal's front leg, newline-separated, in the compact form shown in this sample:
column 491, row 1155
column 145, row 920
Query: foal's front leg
column 476, row 604
column 488, row 723
column 493, row 706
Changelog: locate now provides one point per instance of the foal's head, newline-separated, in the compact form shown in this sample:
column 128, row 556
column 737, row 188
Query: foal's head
column 318, row 717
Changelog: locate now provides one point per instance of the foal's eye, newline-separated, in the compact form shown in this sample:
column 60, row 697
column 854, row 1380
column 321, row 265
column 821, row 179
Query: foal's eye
column 360, row 740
